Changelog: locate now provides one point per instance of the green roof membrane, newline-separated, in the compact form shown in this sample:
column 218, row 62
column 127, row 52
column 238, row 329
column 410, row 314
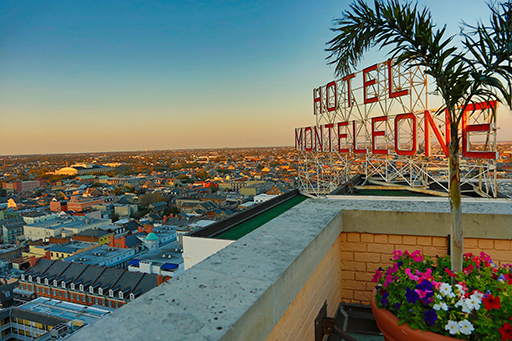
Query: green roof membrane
column 252, row 224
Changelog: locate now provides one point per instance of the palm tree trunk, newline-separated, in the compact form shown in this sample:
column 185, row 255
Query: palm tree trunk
column 457, row 235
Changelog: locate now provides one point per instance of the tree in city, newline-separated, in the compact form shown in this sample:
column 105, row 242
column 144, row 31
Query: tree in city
column 477, row 70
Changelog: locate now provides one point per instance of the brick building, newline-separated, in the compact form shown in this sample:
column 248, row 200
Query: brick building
column 87, row 284
column 79, row 204
column 20, row 186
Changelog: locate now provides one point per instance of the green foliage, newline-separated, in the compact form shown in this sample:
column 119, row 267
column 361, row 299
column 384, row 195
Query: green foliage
column 416, row 286
column 150, row 198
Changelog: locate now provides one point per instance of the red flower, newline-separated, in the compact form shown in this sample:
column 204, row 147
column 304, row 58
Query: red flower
column 450, row 272
column 492, row 302
column 469, row 269
column 508, row 277
column 506, row 332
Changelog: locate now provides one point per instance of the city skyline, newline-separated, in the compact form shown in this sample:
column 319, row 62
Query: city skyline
column 120, row 76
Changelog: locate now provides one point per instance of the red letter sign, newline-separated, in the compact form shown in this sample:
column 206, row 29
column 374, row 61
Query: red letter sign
column 342, row 136
column 317, row 99
column 390, row 84
column 376, row 133
column 348, row 78
column 354, row 130
column 468, row 128
column 327, row 95
column 367, row 83
column 397, row 134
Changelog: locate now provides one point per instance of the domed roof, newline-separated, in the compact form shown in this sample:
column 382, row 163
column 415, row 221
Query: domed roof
column 151, row 236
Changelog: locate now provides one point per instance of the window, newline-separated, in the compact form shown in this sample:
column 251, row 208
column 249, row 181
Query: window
column 72, row 286
column 46, row 281
column 60, row 293
column 65, row 295
column 90, row 299
column 63, row 284
column 37, row 289
column 100, row 291
column 72, row 296
column 116, row 305
column 55, row 283
column 91, row 290
column 121, row 295
column 81, row 287
column 38, row 280
column 109, row 303
column 96, row 301
column 53, row 292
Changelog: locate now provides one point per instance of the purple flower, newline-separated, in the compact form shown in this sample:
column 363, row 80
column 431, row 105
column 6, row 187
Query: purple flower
column 385, row 300
column 400, row 263
column 411, row 295
column 397, row 306
column 430, row 317
column 425, row 285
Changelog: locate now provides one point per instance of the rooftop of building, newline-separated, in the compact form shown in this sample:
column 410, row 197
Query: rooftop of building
column 66, row 310
column 242, row 291
column 98, row 255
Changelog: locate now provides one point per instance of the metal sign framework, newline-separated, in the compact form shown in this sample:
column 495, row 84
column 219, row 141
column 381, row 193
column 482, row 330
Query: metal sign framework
column 338, row 152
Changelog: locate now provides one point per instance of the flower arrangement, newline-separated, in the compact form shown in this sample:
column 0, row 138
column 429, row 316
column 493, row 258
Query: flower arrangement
column 424, row 293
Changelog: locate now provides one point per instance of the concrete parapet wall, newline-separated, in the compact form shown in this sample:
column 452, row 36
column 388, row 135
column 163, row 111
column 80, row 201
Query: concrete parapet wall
column 270, row 284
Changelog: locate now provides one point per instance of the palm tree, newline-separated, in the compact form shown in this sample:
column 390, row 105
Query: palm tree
column 478, row 71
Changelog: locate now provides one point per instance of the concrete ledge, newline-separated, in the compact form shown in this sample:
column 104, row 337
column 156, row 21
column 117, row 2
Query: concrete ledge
column 242, row 291
column 238, row 293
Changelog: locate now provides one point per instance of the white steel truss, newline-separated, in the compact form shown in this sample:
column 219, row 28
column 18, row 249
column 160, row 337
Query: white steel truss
column 370, row 101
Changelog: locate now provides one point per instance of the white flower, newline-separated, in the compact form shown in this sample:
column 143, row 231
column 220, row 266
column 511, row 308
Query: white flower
column 461, row 289
column 445, row 289
column 465, row 327
column 451, row 295
column 453, row 327
column 440, row 306
column 464, row 304
column 474, row 301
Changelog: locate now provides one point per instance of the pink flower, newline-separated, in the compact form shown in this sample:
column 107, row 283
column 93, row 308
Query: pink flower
column 377, row 276
column 397, row 254
column 426, row 275
column 388, row 280
column 417, row 256
column 411, row 276
column 392, row 269
column 421, row 293
column 437, row 285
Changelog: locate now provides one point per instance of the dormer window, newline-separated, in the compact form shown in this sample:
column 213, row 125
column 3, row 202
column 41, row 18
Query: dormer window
column 55, row 283
column 46, row 281
column 111, row 293
column 64, row 284
column 81, row 287
column 120, row 294
column 91, row 290
column 132, row 296
column 30, row 278
column 100, row 291
column 23, row 276
column 38, row 280
column 72, row 286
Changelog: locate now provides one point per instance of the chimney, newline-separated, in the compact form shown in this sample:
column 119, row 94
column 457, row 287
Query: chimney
column 32, row 261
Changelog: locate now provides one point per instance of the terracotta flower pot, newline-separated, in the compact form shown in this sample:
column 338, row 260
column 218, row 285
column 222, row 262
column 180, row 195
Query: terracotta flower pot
column 388, row 325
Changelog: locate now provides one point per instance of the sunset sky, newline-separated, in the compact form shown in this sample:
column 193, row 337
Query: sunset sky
column 85, row 76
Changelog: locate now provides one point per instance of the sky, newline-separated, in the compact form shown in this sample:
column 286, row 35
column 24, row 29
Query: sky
column 86, row 76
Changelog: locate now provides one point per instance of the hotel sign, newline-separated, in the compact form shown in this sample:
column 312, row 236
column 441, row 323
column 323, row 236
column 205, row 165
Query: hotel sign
column 381, row 113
